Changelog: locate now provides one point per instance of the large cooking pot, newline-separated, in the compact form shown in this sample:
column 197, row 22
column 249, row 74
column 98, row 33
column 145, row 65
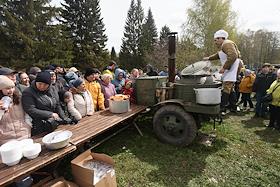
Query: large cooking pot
column 208, row 96
column 201, row 68
column 119, row 106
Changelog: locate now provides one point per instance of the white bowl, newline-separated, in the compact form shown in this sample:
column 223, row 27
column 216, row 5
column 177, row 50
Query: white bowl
column 57, row 140
column 32, row 151
column 11, row 152
column 26, row 142
column 13, row 163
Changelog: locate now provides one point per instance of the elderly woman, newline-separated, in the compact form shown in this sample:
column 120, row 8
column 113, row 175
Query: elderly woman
column 275, row 104
column 82, row 104
column 107, row 88
column 58, row 86
column 41, row 102
column 12, row 116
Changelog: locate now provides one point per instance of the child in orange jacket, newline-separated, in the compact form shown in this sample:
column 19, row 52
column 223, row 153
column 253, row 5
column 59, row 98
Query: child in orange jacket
column 245, row 88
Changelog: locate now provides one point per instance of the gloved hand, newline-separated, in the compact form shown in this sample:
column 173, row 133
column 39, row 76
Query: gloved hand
column 67, row 121
column 51, row 124
column 74, row 121
column 60, row 121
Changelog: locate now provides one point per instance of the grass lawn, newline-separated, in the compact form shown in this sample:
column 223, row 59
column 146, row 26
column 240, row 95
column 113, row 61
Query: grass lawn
column 244, row 153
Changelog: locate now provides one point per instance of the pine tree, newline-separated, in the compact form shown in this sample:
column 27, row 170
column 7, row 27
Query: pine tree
column 158, row 57
column 113, row 54
column 52, row 46
column 139, row 20
column 149, row 36
column 29, row 37
column 86, row 29
column 16, row 32
column 163, row 36
column 130, row 55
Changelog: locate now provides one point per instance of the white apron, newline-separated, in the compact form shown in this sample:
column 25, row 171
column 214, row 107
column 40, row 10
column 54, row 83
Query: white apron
column 231, row 74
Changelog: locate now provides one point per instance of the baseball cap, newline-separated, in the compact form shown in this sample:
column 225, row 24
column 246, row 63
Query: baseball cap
column 6, row 71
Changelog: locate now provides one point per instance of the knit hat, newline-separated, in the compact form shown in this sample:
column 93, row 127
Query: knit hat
column 77, row 82
column 73, row 69
column 71, row 76
column 91, row 71
column 105, row 76
column 50, row 67
column 112, row 62
column 127, row 81
column 5, row 82
column 44, row 77
column 6, row 71
column 266, row 65
column 34, row 70
column 64, row 94
column 247, row 72
column 50, row 71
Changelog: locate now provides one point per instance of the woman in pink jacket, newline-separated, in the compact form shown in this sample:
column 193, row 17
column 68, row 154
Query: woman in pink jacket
column 12, row 116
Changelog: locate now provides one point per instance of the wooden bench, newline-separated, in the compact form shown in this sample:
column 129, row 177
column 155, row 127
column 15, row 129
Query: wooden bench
column 86, row 129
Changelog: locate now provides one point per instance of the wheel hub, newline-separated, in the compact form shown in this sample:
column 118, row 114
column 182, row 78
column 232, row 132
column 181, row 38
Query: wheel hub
column 173, row 125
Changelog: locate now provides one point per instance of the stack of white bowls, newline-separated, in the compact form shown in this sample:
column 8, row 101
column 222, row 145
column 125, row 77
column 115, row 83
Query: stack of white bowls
column 12, row 151
column 30, row 149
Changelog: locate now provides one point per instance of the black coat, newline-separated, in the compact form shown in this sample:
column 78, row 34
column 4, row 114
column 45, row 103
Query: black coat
column 263, row 82
column 152, row 73
column 40, row 106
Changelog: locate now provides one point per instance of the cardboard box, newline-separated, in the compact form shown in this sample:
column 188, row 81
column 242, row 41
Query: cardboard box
column 59, row 182
column 84, row 176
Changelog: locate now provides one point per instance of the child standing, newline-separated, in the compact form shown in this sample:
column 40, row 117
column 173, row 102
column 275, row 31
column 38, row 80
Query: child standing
column 245, row 88
column 128, row 90
column 66, row 98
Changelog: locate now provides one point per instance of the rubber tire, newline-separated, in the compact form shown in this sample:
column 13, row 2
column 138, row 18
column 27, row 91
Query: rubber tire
column 190, row 128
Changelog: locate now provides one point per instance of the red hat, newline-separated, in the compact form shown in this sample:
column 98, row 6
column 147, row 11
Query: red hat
column 127, row 81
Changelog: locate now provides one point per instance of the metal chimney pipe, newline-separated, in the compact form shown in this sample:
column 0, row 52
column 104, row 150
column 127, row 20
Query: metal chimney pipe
column 172, row 57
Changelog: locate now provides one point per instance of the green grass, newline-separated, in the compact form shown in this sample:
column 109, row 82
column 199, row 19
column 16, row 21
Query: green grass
column 244, row 153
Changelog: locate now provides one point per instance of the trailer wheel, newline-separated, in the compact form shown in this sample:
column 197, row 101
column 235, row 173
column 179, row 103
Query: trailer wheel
column 173, row 125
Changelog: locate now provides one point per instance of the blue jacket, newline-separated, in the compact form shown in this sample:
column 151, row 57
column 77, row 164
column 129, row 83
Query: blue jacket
column 118, row 83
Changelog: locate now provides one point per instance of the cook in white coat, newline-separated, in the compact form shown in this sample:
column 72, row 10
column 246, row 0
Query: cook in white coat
column 229, row 56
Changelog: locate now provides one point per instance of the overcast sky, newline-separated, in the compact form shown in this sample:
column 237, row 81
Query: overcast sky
column 252, row 14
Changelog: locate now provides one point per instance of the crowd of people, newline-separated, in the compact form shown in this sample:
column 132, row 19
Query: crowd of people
column 38, row 100
column 258, row 85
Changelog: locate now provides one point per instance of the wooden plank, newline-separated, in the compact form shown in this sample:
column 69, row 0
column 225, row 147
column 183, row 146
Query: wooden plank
column 26, row 167
column 90, row 130
column 91, row 126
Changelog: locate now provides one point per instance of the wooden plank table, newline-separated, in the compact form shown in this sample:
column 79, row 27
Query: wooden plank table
column 86, row 129
column 9, row 174
column 99, row 122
